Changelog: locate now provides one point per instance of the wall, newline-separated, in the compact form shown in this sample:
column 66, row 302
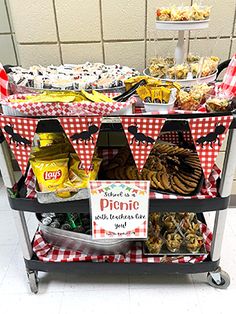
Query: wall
column 110, row 31
column 8, row 53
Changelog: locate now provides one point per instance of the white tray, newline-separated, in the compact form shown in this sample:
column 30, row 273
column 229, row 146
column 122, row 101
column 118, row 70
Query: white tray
column 18, row 89
column 159, row 107
column 182, row 25
column 187, row 82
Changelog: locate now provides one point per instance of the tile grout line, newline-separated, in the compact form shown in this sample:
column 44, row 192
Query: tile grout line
column 145, row 36
column 101, row 26
column 12, row 38
column 6, row 33
column 232, row 35
column 113, row 41
column 81, row 42
column 123, row 40
column 57, row 31
column 34, row 43
column 213, row 37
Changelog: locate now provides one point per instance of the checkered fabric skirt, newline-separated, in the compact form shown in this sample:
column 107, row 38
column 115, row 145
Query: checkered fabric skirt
column 48, row 253
column 35, row 109
column 3, row 82
column 229, row 81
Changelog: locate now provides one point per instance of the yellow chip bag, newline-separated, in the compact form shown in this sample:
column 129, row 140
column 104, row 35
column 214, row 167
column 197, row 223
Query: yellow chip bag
column 144, row 93
column 48, row 139
column 56, row 137
column 77, row 176
column 64, row 194
column 44, row 143
column 96, row 162
column 50, row 174
column 166, row 94
column 156, row 95
column 50, row 157
column 52, row 151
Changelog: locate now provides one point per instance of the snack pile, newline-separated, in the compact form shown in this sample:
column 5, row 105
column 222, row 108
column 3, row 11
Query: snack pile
column 215, row 104
column 164, row 67
column 193, row 98
column 183, row 13
column 169, row 168
column 152, row 90
column 57, row 167
column 173, row 232
column 209, row 66
column 62, row 97
column 72, row 76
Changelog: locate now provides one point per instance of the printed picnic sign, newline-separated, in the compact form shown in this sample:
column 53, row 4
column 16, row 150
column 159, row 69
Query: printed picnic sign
column 119, row 209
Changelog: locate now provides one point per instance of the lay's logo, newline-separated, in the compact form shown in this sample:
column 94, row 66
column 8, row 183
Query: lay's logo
column 52, row 175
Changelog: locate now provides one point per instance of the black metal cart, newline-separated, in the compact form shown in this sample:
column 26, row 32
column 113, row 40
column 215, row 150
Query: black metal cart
column 215, row 276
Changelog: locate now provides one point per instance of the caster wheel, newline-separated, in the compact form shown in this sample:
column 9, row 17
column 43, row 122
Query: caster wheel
column 219, row 280
column 33, row 281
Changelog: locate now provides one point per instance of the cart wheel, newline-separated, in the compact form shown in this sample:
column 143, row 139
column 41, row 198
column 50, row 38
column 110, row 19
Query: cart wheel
column 33, row 281
column 218, row 279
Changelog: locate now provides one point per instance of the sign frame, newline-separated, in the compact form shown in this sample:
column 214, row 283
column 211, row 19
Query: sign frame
column 119, row 209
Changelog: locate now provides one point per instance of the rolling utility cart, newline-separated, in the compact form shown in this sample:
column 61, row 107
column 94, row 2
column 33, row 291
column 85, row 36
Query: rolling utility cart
column 219, row 204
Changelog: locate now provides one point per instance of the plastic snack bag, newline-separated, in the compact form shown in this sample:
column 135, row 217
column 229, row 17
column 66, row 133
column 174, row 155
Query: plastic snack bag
column 47, row 139
column 78, row 177
column 50, row 174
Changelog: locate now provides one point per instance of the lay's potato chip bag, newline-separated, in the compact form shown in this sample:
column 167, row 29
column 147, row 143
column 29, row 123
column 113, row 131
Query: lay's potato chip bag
column 50, row 174
column 48, row 139
column 78, row 176
column 53, row 152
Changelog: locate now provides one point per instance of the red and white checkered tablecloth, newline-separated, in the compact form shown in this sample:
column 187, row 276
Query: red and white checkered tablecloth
column 141, row 110
column 229, row 81
column 3, row 83
column 65, row 109
column 30, row 183
column 138, row 232
column 173, row 137
column 48, row 253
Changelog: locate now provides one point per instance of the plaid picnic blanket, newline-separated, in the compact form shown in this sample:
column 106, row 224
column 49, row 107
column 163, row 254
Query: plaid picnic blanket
column 3, row 82
column 47, row 252
column 229, row 81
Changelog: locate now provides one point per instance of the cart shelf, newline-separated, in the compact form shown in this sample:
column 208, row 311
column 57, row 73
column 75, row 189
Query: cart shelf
column 122, row 268
column 167, row 205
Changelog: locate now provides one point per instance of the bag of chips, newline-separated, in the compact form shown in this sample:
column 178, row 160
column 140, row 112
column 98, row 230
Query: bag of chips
column 50, row 174
column 53, row 152
column 47, row 139
column 78, row 176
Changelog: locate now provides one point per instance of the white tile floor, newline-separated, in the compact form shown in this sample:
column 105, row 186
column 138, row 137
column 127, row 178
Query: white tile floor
column 60, row 293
